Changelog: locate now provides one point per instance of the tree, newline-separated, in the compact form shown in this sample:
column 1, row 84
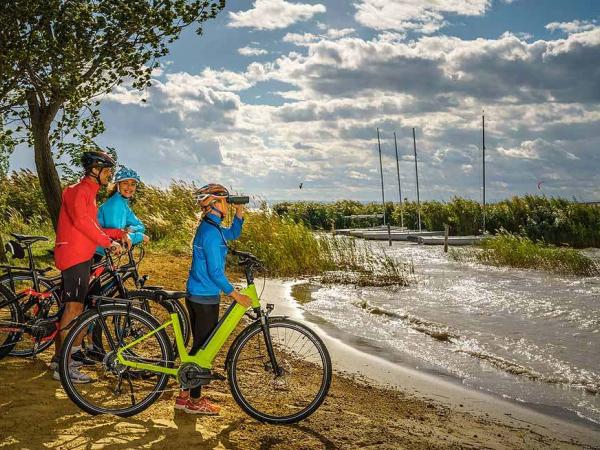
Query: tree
column 5, row 146
column 59, row 57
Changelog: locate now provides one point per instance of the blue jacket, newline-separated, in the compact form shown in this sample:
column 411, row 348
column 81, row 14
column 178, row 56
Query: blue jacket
column 116, row 213
column 207, row 274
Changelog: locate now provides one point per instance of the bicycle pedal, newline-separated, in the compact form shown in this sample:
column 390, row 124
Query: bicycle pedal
column 217, row 376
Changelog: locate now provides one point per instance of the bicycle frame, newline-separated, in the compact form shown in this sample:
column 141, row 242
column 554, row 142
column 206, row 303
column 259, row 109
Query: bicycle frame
column 32, row 270
column 206, row 355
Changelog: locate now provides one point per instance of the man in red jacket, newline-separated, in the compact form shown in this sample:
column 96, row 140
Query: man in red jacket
column 77, row 236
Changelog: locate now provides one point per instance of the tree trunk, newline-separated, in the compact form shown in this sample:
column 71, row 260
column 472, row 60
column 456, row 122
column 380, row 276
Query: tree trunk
column 2, row 251
column 46, row 169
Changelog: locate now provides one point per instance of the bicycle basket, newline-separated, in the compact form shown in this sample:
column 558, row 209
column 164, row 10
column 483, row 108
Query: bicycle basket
column 15, row 249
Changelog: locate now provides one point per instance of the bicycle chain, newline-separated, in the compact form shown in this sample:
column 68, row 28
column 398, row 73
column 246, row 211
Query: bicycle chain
column 161, row 391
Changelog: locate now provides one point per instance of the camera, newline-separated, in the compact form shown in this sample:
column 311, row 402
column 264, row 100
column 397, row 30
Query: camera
column 238, row 199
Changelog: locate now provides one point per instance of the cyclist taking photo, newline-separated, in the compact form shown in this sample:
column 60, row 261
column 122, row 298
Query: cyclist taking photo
column 77, row 236
column 207, row 280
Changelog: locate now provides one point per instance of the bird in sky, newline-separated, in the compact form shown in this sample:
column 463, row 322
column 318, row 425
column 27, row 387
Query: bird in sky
column 300, row 185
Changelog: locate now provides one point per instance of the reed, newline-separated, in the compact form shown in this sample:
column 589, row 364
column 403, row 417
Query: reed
column 512, row 250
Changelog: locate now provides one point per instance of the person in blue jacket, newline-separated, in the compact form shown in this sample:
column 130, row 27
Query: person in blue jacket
column 116, row 211
column 207, row 280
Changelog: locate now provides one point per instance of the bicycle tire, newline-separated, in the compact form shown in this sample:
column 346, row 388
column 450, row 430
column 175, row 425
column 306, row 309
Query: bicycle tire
column 11, row 311
column 238, row 387
column 82, row 323
column 48, row 284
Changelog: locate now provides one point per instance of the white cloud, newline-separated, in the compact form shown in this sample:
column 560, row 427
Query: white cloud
column 575, row 26
column 334, row 33
column 222, row 80
column 274, row 14
column 357, row 175
column 527, row 150
column 300, row 39
column 252, row 51
column 124, row 95
column 537, row 149
column 424, row 16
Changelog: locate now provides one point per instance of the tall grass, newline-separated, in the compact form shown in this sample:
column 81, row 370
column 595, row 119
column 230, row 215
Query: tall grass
column 512, row 250
column 288, row 247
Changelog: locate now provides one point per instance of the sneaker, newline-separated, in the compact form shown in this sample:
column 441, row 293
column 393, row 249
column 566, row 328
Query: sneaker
column 76, row 376
column 180, row 402
column 203, row 406
column 80, row 357
column 54, row 364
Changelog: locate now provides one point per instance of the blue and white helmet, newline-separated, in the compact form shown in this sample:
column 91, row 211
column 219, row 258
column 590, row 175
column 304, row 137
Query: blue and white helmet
column 125, row 173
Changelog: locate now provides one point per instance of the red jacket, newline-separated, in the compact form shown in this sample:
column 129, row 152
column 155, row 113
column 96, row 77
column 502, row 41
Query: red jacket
column 78, row 233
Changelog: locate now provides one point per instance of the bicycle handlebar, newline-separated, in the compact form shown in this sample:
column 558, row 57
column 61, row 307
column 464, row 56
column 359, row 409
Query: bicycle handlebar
column 243, row 254
column 247, row 258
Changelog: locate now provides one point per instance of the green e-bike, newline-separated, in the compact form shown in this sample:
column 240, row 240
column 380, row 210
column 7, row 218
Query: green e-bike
column 279, row 370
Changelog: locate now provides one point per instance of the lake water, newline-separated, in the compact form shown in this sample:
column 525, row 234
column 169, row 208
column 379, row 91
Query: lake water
column 525, row 335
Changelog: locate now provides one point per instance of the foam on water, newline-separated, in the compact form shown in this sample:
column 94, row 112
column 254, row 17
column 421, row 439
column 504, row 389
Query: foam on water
column 520, row 334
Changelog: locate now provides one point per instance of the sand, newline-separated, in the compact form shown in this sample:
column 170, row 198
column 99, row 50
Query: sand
column 364, row 409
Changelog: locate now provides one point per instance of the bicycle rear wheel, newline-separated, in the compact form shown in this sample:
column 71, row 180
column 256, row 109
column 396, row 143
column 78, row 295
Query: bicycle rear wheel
column 304, row 378
column 11, row 320
column 117, row 389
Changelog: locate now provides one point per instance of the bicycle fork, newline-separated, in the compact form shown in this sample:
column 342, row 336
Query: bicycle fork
column 264, row 324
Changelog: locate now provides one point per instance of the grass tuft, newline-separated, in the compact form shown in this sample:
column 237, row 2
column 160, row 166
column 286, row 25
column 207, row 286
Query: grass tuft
column 512, row 250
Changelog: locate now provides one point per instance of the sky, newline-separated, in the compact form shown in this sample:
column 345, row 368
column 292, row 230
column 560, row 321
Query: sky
column 280, row 92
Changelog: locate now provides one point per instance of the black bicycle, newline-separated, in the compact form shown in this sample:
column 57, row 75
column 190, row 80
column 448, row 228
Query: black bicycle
column 35, row 311
column 36, row 292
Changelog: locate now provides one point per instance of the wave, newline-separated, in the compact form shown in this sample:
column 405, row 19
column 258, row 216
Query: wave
column 435, row 330
column 443, row 333
column 517, row 369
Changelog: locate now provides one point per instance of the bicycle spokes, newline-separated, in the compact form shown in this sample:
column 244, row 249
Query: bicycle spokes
column 291, row 388
column 115, row 387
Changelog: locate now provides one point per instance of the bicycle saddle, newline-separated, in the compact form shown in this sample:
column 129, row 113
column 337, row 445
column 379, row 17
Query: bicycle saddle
column 169, row 295
column 27, row 240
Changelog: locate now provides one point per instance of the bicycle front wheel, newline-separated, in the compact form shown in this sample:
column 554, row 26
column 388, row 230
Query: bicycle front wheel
column 302, row 381
column 111, row 387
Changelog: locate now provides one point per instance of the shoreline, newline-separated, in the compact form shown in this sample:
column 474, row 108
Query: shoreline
column 447, row 390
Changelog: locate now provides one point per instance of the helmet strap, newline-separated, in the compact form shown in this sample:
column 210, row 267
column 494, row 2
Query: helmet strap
column 212, row 208
column 90, row 173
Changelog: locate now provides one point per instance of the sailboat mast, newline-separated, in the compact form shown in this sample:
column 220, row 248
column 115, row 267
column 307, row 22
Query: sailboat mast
column 399, row 185
column 381, row 171
column 483, row 162
column 417, row 177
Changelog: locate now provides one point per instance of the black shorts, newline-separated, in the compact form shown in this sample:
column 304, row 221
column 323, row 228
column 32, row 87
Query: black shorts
column 76, row 281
